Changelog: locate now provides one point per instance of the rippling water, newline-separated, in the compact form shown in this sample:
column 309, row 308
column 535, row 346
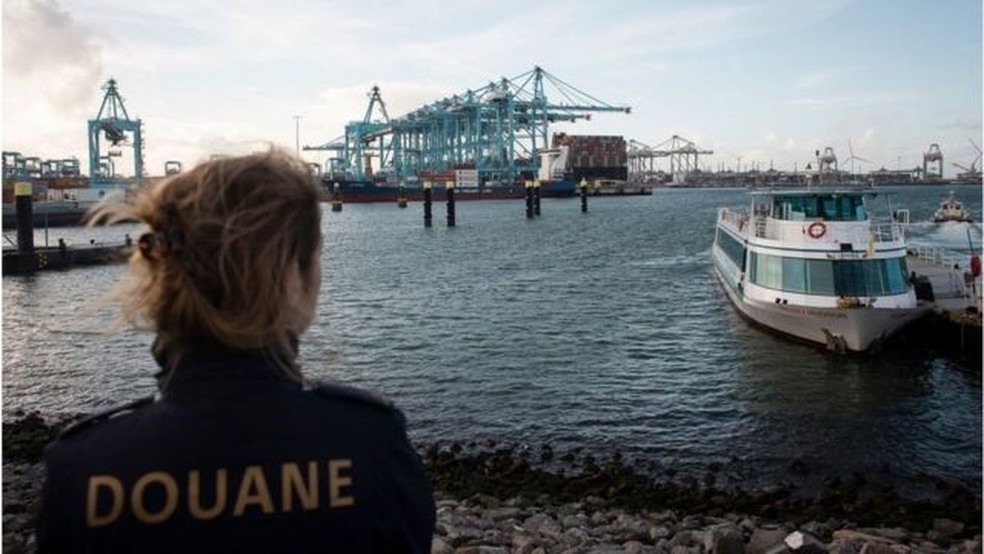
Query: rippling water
column 604, row 330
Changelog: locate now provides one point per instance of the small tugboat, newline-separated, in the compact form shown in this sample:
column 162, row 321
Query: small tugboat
column 951, row 209
column 811, row 264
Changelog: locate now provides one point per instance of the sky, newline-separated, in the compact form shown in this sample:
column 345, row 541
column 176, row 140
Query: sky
column 763, row 82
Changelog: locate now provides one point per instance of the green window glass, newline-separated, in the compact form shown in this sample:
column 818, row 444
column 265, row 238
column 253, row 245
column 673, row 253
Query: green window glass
column 820, row 277
column 794, row 274
column 829, row 278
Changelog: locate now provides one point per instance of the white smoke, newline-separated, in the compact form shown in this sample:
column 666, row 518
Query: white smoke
column 45, row 49
column 52, row 71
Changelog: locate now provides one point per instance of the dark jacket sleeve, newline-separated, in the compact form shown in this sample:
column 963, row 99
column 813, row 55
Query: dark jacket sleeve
column 412, row 497
column 53, row 527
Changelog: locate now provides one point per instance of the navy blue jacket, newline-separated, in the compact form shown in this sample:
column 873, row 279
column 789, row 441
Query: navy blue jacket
column 234, row 457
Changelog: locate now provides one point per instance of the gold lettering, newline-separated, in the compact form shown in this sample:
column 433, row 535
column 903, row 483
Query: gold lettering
column 93, row 519
column 336, row 482
column 253, row 490
column 291, row 481
column 170, row 491
column 195, row 495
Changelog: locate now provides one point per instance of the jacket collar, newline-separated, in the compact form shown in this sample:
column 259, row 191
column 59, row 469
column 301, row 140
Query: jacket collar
column 202, row 361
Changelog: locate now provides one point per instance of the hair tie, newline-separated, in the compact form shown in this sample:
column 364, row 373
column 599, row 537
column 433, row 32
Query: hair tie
column 148, row 243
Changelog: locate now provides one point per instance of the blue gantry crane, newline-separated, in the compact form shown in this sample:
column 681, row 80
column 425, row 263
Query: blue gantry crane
column 498, row 129
column 113, row 123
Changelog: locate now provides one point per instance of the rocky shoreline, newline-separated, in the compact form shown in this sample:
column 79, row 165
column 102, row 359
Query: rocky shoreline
column 500, row 500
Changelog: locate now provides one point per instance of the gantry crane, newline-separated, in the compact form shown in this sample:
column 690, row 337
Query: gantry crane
column 970, row 174
column 115, row 124
column 933, row 163
column 683, row 154
column 498, row 130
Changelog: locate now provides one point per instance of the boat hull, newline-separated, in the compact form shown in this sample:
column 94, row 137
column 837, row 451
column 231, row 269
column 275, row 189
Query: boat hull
column 855, row 329
column 49, row 214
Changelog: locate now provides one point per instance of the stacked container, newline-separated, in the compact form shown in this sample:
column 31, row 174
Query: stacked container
column 594, row 156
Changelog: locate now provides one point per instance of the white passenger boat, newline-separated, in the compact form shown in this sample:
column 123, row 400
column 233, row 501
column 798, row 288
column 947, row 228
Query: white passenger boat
column 813, row 265
column 951, row 209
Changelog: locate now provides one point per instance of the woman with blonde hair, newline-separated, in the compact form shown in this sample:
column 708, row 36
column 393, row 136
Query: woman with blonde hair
column 237, row 452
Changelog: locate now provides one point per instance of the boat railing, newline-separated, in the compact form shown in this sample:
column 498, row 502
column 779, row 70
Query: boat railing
column 888, row 232
column 939, row 256
column 737, row 218
column 767, row 228
column 796, row 231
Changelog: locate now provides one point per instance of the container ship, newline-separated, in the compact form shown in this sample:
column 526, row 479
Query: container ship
column 571, row 159
column 60, row 192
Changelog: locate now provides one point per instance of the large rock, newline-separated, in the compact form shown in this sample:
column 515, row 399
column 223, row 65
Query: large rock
column 482, row 550
column 947, row 527
column 542, row 523
column 724, row 538
column 765, row 539
column 438, row 546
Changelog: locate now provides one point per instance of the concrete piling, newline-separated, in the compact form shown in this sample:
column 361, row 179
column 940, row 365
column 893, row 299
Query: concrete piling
column 428, row 197
column 536, row 198
column 584, row 196
column 529, row 199
column 401, row 199
column 23, row 194
column 450, row 191
column 336, row 197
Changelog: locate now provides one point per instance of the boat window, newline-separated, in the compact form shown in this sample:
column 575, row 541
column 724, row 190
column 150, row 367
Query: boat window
column 734, row 249
column 829, row 278
column 848, row 279
column 794, row 274
column 820, row 277
column 829, row 208
column 769, row 272
column 896, row 274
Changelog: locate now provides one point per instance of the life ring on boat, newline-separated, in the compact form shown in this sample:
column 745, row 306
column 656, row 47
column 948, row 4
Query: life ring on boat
column 975, row 265
column 817, row 229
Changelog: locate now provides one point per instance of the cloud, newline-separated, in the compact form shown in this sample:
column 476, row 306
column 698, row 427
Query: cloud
column 49, row 55
column 868, row 139
column 858, row 100
column 812, row 80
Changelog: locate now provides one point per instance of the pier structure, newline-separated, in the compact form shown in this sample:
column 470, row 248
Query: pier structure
column 500, row 130
column 113, row 123
column 26, row 258
column 684, row 157
column 955, row 303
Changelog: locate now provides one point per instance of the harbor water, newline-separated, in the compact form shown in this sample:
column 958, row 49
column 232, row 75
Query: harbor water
column 603, row 332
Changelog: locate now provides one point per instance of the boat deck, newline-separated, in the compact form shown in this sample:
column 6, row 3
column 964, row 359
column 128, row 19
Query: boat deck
column 953, row 292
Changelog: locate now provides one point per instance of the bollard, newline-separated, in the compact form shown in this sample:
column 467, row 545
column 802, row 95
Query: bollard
column 25, row 217
column 428, row 216
column 529, row 199
column 536, row 198
column 450, row 189
column 336, row 198
column 584, row 196
column 401, row 200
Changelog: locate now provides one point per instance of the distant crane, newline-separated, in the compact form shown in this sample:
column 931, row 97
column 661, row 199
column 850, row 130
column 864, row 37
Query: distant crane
column 933, row 163
column 172, row 167
column 972, row 173
column 113, row 123
column 683, row 154
column 498, row 130
column 826, row 164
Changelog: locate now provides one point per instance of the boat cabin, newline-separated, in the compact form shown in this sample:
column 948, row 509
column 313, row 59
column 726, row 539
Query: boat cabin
column 817, row 206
